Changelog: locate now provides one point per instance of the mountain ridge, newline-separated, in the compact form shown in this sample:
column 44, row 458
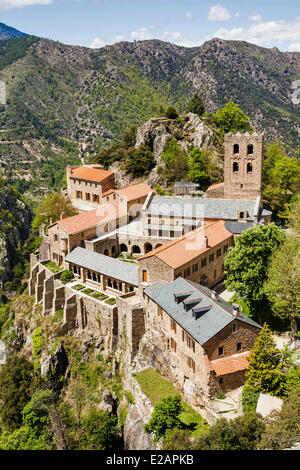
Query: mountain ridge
column 8, row 32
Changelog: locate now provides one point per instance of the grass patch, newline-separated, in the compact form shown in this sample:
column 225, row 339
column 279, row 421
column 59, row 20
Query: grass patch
column 110, row 301
column 78, row 287
column 154, row 385
column 88, row 291
column 157, row 387
column 53, row 267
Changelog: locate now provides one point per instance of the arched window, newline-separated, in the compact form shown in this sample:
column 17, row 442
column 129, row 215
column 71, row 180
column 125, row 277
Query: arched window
column 249, row 168
column 236, row 148
column 235, row 167
column 250, row 149
column 136, row 249
column 123, row 247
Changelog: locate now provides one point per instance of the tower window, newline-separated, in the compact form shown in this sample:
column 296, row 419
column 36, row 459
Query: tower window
column 250, row 149
column 249, row 168
column 235, row 167
column 236, row 148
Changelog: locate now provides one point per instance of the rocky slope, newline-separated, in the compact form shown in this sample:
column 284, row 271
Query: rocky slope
column 56, row 91
column 7, row 32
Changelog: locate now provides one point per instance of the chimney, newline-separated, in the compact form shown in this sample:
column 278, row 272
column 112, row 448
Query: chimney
column 214, row 295
column 204, row 242
column 236, row 310
column 62, row 216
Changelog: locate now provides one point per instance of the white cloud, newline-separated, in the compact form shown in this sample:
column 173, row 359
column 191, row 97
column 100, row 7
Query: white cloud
column 236, row 15
column 141, row 34
column 188, row 15
column 9, row 4
column 294, row 47
column 256, row 18
column 264, row 32
column 218, row 13
column 98, row 42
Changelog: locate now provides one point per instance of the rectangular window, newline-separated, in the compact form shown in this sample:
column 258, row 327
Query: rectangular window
column 238, row 346
column 225, row 248
column 211, row 257
column 221, row 350
column 218, row 252
column 188, row 271
column 203, row 262
column 144, row 275
column 191, row 363
column 173, row 345
column 173, row 325
column 234, row 328
column 159, row 311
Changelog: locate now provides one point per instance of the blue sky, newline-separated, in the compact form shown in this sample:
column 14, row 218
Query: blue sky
column 94, row 23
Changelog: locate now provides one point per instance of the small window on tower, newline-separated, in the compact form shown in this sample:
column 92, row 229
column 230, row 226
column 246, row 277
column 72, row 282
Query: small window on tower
column 235, row 167
column 236, row 148
column 249, row 168
column 250, row 149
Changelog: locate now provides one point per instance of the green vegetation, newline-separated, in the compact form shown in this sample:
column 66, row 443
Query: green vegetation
column 281, row 179
column 196, row 105
column 165, row 417
column 53, row 267
column 139, row 161
column 231, row 118
column 66, row 276
column 267, row 364
column 171, row 113
column 246, row 266
column 154, row 385
column 175, row 163
column 282, row 286
column 249, row 399
column 51, row 208
column 37, row 343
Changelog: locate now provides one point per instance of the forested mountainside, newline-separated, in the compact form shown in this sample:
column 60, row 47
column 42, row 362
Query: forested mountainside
column 7, row 32
column 64, row 102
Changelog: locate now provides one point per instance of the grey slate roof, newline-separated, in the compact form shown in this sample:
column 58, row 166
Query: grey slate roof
column 201, row 207
column 186, row 184
column 102, row 264
column 208, row 325
column 237, row 227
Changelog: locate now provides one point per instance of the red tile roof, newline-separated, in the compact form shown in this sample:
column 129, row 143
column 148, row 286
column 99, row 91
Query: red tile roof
column 134, row 191
column 180, row 251
column 230, row 364
column 90, row 219
column 90, row 174
column 215, row 186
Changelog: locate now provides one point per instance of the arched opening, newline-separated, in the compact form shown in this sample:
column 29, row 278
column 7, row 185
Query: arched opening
column 250, row 149
column 148, row 247
column 249, row 168
column 123, row 248
column 113, row 251
column 157, row 246
column 136, row 249
column 235, row 167
column 236, row 148
column 106, row 252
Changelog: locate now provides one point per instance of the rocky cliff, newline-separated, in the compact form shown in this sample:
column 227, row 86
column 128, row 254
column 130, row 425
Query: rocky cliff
column 15, row 218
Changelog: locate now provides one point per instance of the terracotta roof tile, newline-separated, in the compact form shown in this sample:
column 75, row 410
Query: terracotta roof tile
column 85, row 220
column 180, row 251
column 90, row 174
column 134, row 191
column 230, row 364
column 215, row 186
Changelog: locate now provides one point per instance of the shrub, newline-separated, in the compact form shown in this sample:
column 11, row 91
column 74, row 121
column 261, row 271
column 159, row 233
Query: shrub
column 249, row 399
column 66, row 276
column 171, row 113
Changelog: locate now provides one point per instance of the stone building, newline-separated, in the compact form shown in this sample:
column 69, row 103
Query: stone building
column 86, row 185
column 182, row 188
column 70, row 232
column 131, row 197
column 97, row 270
column 171, row 217
column 198, row 256
column 197, row 340
column 243, row 161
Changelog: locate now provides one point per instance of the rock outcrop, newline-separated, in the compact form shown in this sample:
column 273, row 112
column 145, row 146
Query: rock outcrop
column 188, row 130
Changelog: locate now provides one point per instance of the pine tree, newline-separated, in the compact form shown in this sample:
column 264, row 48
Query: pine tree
column 265, row 371
column 196, row 105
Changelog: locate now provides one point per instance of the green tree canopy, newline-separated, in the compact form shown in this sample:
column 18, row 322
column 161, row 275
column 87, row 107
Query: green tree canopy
column 242, row 433
column 266, row 365
column 246, row 264
column 283, row 283
column 139, row 161
column 175, row 161
column 129, row 137
column 16, row 378
column 231, row 118
column 51, row 208
column 196, row 105
column 99, row 431
column 281, row 178
column 171, row 113
column 198, row 168
column 165, row 417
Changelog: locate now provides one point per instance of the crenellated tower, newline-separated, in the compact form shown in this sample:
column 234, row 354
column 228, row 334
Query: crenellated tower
column 243, row 161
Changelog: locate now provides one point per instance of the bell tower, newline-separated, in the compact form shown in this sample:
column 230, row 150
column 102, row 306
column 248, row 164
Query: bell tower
column 243, row 161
